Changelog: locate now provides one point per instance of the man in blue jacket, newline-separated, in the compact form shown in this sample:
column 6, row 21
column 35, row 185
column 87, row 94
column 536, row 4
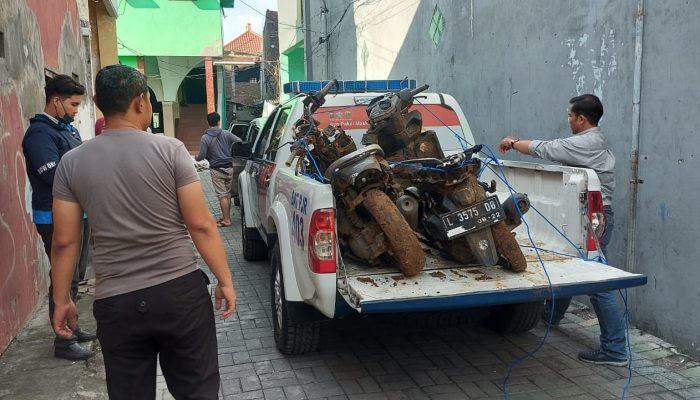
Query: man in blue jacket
column 50, row 135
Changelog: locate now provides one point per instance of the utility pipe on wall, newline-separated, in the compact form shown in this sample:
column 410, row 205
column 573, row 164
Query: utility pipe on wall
column 634, row 156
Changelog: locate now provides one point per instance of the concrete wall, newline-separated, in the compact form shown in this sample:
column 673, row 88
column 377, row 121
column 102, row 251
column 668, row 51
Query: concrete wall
column 514, row 65
column 290, row 17
column 38, row 35
column 668, row 223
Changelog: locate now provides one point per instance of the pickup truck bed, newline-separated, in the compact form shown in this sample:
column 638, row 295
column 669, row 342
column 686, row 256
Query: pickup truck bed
column 442, row 285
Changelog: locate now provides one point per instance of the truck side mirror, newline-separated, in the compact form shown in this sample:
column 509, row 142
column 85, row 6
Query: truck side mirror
column 242, row 150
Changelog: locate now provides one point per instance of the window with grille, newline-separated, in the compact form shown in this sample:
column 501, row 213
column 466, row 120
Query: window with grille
column 437, row 26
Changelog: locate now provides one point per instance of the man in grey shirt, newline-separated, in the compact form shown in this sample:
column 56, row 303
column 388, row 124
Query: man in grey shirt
column 586, row 148
column 146, row 208
column 215, row 146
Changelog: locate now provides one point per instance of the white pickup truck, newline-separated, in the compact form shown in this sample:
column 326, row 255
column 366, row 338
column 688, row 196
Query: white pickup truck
column 291, row 219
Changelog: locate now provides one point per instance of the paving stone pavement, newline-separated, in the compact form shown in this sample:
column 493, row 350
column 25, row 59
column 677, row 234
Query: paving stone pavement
column 376, row 358
column 368, row 358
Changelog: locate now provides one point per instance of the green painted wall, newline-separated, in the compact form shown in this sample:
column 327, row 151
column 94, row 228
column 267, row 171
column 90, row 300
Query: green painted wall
column 131, row 61
column 169, row 28
column 292, row 65
column 296, row 65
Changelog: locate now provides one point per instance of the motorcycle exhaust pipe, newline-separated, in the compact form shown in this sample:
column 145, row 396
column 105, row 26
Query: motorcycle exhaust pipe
column 409, row 207
column 513, row 219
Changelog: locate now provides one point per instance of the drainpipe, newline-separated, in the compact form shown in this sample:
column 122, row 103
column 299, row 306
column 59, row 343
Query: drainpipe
column 634, row 156
column 326, row 39
column 309, row 66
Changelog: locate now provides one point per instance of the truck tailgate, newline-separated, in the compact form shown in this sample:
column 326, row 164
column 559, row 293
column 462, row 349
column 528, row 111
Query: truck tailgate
column 445, row 285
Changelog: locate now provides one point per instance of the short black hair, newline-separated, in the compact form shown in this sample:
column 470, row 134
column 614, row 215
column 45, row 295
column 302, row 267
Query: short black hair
column 63, row 86
column 213, row 118
column 589, row 106
column 116, row 86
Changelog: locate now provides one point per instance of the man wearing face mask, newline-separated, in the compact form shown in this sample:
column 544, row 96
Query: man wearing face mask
column 50, row 136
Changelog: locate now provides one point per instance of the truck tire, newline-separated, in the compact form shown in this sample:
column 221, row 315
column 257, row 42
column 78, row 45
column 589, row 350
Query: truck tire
column 514, row 318
column 254, row 247
column 291, row 337
column 404, row 246
column 510, row 255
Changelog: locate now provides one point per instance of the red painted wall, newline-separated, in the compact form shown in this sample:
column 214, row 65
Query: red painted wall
column 50, row 16
column 23, row 271
column 22, row 282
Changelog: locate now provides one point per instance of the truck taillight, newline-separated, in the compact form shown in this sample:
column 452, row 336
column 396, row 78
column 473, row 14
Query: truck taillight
column 322, row 241
column 596, row 216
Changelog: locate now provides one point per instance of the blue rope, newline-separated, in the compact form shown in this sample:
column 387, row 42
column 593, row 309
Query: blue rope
column 462, row 141
column 421, row 167
column 318, row 176
column 626, row 317
column 600, row 258
column 530, row 354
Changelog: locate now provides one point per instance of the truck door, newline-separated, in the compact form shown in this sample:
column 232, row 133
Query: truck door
column 263, row 163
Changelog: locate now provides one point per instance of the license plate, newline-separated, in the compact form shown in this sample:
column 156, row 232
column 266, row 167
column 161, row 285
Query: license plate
column 473, row 218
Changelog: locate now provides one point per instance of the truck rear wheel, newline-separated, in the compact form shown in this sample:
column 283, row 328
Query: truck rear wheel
column 404, row 246
column 291, row 337
column 254, row 247
column 514, row 318
column 510, row 255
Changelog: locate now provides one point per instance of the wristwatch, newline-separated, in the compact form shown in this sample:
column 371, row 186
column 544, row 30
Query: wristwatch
column 512, row 144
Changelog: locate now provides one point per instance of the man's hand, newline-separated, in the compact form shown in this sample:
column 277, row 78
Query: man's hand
column 227, row 293
column 65, row 319
column 506, row 144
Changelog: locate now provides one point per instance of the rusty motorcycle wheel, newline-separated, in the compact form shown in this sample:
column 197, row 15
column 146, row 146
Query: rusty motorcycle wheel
column 404, row 246
column 508, row 249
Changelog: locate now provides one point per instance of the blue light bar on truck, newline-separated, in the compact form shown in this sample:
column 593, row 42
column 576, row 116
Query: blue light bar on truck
column 386, row 85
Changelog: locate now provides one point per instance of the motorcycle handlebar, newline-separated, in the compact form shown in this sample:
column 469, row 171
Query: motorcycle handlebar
column 326, row 89
column 419, row 89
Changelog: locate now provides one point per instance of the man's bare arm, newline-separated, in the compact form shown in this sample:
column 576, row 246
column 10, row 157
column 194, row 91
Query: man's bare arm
column 67, row 224
column 205, row 235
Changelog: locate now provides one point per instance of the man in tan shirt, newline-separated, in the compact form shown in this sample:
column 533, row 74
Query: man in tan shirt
column 143, row 197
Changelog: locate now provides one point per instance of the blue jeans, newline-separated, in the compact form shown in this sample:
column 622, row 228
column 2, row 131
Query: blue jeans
column 605, row 305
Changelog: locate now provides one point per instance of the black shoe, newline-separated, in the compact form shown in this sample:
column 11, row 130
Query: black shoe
column 84, row 336
column 71, row 351
column 598, row 357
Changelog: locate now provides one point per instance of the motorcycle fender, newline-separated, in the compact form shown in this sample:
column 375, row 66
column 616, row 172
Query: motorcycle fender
column 279, row 218
column 487, row 256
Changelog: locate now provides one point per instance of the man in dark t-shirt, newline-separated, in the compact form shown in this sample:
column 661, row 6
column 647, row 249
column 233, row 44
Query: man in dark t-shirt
column 151, row 299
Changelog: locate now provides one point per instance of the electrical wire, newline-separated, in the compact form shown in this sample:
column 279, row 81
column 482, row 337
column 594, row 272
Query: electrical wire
column 300, row 27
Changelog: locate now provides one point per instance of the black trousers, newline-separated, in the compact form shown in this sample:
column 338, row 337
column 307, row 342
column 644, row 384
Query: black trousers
column 46, row 233
column 173, row 321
